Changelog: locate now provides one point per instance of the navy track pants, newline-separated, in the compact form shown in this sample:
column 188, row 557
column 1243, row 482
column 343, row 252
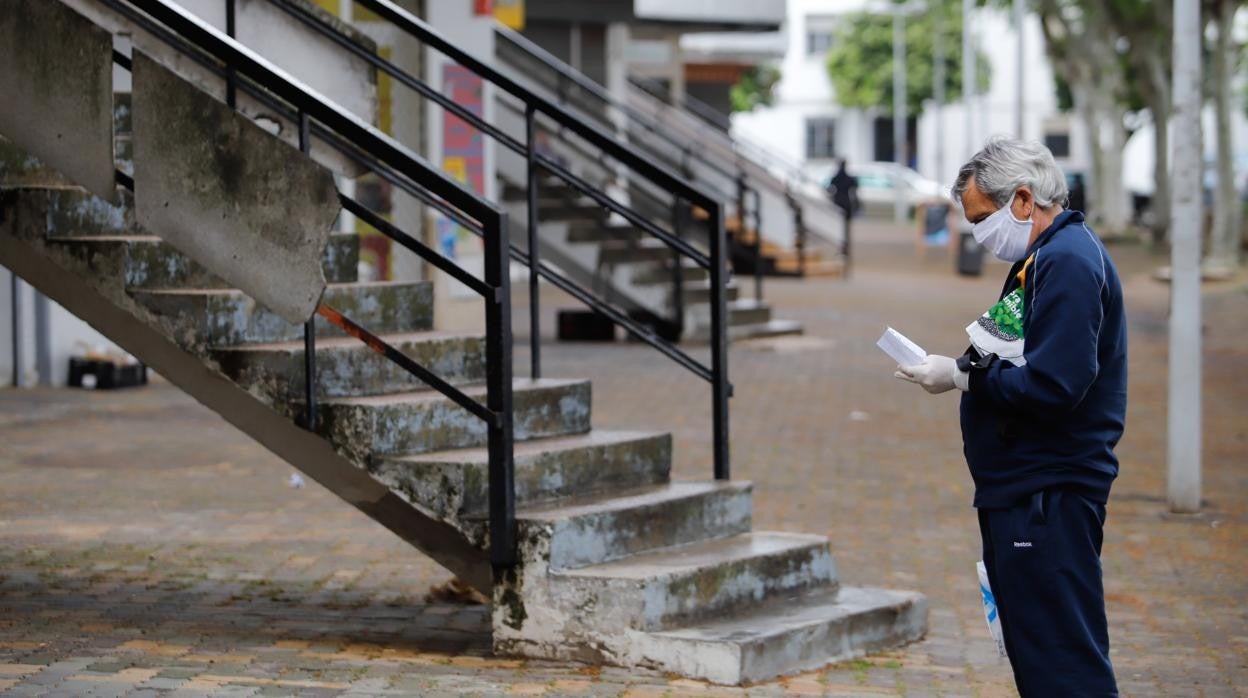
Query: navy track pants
column 1044, row 563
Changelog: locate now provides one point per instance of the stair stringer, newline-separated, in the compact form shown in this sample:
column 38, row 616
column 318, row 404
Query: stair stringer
column 111, row 311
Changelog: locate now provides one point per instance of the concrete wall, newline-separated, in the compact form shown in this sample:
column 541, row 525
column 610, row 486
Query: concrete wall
column 305, row 54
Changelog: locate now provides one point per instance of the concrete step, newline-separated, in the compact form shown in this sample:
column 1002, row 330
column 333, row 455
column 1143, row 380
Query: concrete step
column 748, row 311
column 146, row 261
column 671, row 588
column 453, row 484
column 548, row 187
column 624, row 252
column 798, row 634
column 771, row 328
column 346, row 367
column 700, row 292
column 367, row 428
column 594, row 231
column 594, row 530
column 75, row 213
column 814, row 267
column 549, row 211
column 215, row 318
column 661, row 273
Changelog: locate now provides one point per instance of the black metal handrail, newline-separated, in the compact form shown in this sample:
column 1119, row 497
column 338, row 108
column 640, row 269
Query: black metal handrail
column 568, row 74
column 250, row 73
column 715, row 261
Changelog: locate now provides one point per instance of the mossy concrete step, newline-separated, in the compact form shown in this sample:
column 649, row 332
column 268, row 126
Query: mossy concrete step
column 367, row 428
column 798, row 634
column 215, row 318
column 594, row 530
column 671, row 588
column 146, row 261
column 453, row 484
column 346, row 367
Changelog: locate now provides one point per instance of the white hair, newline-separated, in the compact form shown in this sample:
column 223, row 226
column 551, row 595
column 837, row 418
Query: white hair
column 1005, row 164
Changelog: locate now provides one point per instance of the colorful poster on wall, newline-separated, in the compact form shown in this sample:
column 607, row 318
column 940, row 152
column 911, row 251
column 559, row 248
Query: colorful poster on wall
column 463, row 152
column 510, row 13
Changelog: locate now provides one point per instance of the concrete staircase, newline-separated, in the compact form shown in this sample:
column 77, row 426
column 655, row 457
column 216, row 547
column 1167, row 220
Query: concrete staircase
column 618, row 563
column 638, row 267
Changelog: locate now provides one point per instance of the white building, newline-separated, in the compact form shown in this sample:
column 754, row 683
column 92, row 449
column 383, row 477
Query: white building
column 806, row 123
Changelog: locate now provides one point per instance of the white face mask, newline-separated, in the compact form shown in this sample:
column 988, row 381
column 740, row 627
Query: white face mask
column 1003, row 234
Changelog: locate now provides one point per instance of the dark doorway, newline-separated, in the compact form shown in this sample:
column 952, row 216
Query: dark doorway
column 884, row 140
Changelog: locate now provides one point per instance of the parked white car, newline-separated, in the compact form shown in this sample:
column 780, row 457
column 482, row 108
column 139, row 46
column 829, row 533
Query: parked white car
column 878, row 183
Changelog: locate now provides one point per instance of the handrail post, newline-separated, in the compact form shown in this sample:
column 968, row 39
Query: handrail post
column 719, row 341
column 756, row 216
column 799, row 227
column 678, row 269
column 231, row 30
column 535, row 321
column 498, row 394
column 309, row 327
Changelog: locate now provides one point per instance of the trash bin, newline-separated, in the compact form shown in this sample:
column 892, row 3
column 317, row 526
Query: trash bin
column 970, row 255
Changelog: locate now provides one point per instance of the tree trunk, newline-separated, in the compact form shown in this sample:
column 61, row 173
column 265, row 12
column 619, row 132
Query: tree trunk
column 1160, row 205
column 1114, row 207
column 1224, row 238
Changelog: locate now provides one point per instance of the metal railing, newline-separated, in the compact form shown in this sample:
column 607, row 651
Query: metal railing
column 247, row 73
column 682, row 192
column 731, row 177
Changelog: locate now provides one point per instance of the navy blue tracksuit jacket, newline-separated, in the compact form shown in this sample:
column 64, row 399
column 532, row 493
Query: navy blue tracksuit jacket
column 1039, row 442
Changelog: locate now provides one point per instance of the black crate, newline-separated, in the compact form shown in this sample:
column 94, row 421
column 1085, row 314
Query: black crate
column 584, row 326
column 108, row 375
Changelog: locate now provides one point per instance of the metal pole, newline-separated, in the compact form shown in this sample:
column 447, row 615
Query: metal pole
column 1184, row 457
column 938, row 86
column 535, row 321
column 1018, row 76
column 899, row 104
column 678, row 270
column 498, row 378
column 720, row 389
column 231, row 30
column 309, row 327
column 756, row 215
column 43, row 338
column 15, row 298
column 968, row 77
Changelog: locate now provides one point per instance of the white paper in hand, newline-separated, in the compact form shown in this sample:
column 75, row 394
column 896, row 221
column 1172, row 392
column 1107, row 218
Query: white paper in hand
column 901, row 349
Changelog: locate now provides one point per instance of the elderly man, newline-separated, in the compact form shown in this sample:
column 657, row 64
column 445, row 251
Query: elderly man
column 1044, row 396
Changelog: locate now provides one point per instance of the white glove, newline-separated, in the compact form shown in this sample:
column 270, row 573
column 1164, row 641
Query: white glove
column 937, row 374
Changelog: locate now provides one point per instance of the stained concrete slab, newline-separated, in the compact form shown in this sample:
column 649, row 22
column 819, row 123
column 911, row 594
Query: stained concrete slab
column 229, row 195
column 58, row 94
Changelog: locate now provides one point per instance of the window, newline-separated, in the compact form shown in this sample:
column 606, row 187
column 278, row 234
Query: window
column 1058, row 143
column 818, row 43
column 820, row 139
column 819, row 34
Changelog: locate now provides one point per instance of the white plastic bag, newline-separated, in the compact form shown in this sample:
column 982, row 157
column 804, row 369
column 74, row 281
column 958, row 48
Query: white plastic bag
column 990, row 607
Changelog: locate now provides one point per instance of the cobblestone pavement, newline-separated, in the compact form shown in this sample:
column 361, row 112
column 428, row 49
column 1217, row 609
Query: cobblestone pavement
column 147, row 548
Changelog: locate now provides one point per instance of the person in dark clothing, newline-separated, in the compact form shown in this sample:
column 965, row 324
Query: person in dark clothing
column 843, row 188
column 1044, row 396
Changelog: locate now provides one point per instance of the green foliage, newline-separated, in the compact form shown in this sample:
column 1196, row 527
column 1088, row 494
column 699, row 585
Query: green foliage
column 755, row 88
column 860, row 63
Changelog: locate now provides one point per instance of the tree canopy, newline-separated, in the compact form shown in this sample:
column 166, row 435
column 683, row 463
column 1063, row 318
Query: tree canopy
column 860, row 63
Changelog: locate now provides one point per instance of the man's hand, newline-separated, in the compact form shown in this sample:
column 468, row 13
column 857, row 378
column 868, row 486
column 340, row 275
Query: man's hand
column 937, row 374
